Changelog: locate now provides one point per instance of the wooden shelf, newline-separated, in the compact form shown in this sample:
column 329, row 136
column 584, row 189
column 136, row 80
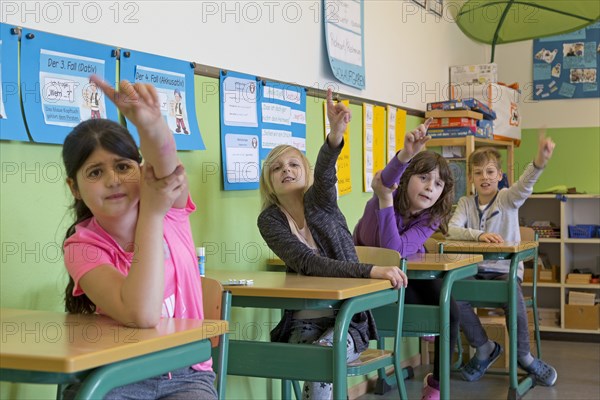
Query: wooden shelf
column 563, row 211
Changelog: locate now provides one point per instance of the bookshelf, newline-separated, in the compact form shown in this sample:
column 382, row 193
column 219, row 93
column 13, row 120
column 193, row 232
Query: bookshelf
column 565, row 252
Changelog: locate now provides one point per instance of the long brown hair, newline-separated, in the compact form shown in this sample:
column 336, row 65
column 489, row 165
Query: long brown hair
column 78, row 146
column 423, row 163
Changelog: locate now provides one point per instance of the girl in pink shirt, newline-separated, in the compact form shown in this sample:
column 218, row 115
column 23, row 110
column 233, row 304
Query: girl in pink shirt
column 130, row 253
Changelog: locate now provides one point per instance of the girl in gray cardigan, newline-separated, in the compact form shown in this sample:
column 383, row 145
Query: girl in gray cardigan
column 302, row 224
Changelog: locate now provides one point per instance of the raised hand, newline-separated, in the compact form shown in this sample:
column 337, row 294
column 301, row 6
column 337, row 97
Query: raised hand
column 384, row 193
column 339, row 116
column 138, row 102
column 545, row 149
column 414, row 141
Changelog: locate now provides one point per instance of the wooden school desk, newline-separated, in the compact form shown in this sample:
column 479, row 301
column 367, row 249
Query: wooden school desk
column 279, row 290
column 55, row 347
column 497, row 292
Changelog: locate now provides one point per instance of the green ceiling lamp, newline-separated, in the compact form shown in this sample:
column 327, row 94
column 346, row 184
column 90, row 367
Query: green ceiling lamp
column 506, row 21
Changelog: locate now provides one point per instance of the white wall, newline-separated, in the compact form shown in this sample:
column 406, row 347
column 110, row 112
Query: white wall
column 515, row 64
column 407, row 49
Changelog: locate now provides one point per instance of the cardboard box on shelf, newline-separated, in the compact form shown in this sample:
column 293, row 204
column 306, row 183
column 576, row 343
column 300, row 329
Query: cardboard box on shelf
column 473, row 74
column 582, row 317
column 504, row 101
column 548, row 275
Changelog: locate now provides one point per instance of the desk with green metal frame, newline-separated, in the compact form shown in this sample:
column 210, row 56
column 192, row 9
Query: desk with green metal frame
column 56, row 348
column 348, row 295
column 497, row 292
column 279, row 290
column 422, row 320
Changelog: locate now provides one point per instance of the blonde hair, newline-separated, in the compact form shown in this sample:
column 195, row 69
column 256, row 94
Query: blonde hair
column 483, row 156
column 267, row 192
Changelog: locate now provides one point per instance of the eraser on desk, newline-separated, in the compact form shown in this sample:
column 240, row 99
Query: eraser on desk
column 239, row 282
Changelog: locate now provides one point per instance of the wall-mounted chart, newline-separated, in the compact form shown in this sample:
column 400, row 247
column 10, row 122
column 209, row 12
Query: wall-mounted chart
column 344, row 37
column 56, row 91
column 174, row 82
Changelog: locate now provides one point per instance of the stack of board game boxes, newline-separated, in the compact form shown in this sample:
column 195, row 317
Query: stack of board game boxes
column 458, row 118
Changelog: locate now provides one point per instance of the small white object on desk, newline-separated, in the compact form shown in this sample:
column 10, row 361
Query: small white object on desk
column 239, row 282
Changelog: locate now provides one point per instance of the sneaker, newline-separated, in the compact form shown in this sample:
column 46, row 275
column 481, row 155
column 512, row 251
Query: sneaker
column 544, row 374
column 475, row 368
column 429, row 392
column 428, row 338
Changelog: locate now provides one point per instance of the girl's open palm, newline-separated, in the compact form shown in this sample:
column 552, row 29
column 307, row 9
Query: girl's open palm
column 138, row 102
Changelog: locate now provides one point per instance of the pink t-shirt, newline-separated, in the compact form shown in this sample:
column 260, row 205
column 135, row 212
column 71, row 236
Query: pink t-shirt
column 91, row 246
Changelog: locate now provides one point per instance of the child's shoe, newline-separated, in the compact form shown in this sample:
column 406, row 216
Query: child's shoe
column 475, row 368
column 431, row 388
column 544, row 374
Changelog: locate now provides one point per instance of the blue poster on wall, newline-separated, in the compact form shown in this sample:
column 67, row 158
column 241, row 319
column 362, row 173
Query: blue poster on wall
column 174, row 83
column 566, row 66
column 283, row 121
column 344, row 38
column 12, row 126
column 55, row 88
column 240, row 131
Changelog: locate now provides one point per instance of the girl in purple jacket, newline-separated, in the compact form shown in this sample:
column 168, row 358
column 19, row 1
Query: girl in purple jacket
column 413, row 198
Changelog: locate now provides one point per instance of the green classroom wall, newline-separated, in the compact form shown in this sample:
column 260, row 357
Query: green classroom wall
column 575, row 162
column 34, row 211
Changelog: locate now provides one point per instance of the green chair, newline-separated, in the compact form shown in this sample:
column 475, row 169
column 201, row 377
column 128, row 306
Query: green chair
column 378, row 359
column 217, row 305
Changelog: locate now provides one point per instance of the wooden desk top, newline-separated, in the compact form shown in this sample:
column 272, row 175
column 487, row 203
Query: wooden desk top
column 289, row 285
column 440, row 262
column 61, row 342
column 482, row 247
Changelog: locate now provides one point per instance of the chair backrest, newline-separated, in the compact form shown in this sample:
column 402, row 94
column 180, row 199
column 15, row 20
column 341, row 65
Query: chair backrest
column 527, row 234
column 432, row 244
column 212, row 299
column 378, row 256
column 217, row 305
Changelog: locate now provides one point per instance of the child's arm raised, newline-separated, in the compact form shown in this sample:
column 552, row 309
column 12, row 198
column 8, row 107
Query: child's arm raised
column 136, row 299
column 522, row 189
column 139, row 103
column 339, row 116
column 414, row 142
column 545, row 150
